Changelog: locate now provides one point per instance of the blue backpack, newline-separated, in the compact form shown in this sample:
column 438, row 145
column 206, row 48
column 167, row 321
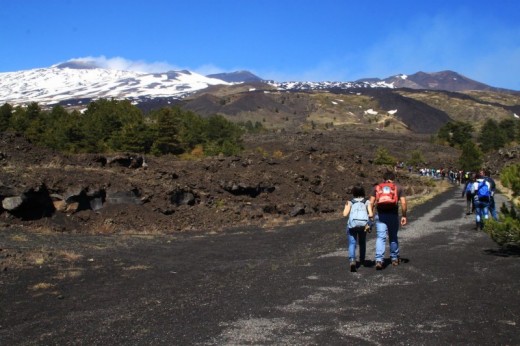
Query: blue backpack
column 358, row 216
column 483, row 191
column 468, row 188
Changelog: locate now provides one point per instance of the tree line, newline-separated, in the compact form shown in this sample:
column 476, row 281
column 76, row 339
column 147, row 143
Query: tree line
column 492, row 136
column 119, row 126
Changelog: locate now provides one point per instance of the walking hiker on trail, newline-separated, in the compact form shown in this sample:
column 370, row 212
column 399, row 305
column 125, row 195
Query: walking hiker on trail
column 481, row 189
column 360, row 216
column 470, row 207
column 387, row 196
column 492, row 206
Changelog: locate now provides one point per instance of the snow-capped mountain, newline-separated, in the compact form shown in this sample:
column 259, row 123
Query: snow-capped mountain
column 80, row 80
column 444, row 80
column 83, row 80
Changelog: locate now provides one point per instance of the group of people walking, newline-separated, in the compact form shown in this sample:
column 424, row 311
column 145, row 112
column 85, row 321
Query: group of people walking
column 479, row 190
column 381, row 209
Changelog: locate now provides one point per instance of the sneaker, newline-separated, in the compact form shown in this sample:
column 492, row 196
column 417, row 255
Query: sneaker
column 395, row 262
column 353, row 266
column 379, row 265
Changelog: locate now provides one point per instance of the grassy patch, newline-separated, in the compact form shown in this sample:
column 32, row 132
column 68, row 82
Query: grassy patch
column 430, row 191
column 19, row 238
column 41, row 286
column 69, row 256
column 138, row 267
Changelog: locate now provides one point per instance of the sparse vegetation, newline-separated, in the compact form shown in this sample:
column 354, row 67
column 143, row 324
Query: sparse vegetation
column 506, row 232
column 416, row 158
column 383, row 157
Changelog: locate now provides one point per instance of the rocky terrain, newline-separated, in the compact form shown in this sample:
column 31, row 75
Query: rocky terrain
column 281, row 178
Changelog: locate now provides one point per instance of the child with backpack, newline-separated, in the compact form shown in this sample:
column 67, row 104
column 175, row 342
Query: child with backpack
column 360, row 216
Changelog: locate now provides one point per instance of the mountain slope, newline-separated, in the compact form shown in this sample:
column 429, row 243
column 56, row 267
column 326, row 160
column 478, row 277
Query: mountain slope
column 71, row 81
column 401, row 110
column 417, row 103
column 444, row 80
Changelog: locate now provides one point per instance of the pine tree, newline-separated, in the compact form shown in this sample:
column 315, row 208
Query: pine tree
column 491, row 136
column 6, row 112
column 166, row 130
column 471, row 157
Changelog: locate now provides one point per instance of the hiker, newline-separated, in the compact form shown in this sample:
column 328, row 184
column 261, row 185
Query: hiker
column 386, row 196
column 492, row 206
column 360, row 216
column 470, row 206
column 481, row 189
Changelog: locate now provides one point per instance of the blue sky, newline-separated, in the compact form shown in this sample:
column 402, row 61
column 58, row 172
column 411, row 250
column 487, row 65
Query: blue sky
column 284, row 40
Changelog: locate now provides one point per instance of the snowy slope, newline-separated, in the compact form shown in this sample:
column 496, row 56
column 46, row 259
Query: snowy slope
column 60, row 83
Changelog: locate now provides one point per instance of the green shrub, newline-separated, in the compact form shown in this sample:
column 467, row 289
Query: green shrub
column 383, row 157
column 505, row 233
column 510, row 177
column 416, row 158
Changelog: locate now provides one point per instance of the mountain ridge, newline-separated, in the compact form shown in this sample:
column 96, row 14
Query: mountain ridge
column 74, row 79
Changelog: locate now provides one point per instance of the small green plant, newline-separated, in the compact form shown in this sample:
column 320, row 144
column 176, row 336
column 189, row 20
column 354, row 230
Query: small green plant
column 383, row 157
column 278, row 154
column 262, row 151
column 416, row 158
column 220, row 203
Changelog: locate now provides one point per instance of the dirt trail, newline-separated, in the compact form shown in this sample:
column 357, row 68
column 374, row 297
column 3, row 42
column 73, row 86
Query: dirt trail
column 258, row 286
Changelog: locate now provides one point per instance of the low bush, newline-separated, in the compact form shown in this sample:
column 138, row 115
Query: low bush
column 505, row 232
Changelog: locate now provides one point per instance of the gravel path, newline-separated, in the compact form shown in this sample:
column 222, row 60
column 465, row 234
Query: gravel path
column 287, row 286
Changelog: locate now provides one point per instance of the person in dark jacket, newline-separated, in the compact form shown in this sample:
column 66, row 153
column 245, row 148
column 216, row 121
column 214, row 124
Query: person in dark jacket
column 466, row 191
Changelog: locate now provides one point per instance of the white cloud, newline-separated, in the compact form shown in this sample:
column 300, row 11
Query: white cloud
column 119, row 63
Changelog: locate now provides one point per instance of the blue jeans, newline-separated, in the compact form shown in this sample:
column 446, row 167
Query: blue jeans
column 355, row 234
column 481, row 212
column 387, row 224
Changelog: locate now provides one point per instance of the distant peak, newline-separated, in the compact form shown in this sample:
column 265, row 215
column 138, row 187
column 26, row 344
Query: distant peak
column 236, row 76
